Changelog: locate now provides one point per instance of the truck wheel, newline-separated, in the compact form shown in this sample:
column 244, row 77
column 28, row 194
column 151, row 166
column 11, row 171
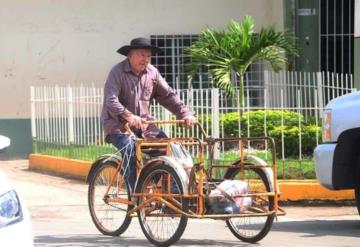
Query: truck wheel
column 357, row 188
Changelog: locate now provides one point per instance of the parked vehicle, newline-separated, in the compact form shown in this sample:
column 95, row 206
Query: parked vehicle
column 15, row 225
column 337, row 159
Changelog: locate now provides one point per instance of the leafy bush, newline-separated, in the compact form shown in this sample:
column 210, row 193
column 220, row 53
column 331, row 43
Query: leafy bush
column 255, row 122
column 230, row 121
column 292, row 138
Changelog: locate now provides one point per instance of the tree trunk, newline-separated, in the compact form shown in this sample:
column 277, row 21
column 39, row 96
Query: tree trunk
column 241, row 89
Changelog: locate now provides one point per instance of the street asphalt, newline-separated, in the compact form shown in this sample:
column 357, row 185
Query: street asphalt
column 60, row 217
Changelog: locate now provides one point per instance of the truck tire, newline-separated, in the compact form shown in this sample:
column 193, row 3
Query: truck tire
column 357, row 191
column 357, row 187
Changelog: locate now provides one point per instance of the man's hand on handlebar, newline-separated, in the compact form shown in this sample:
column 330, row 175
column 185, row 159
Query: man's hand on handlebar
column 136, row 121
column 189, row 121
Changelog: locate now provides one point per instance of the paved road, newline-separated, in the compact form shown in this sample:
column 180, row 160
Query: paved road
column 60, row 218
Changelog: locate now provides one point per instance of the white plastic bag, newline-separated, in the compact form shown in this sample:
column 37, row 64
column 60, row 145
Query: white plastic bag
column 182, row 156
column 234, row 188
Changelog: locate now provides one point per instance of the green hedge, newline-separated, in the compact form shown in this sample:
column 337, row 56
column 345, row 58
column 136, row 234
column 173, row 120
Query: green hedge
column 292, row 139
column 255, row 121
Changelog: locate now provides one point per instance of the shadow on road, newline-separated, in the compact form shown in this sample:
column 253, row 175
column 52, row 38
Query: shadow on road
column 306, row 229
column 92, row 240
column 88, row 240
column 317, row 228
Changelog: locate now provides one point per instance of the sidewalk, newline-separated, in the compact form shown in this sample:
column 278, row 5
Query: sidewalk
column 291, row 190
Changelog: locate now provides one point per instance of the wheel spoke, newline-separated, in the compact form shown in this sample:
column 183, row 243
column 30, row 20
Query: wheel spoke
column 110, row 217
column 253, row 229
column 158, row 222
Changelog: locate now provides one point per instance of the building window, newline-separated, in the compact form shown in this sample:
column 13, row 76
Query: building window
column 171, row 63
column 337, row 36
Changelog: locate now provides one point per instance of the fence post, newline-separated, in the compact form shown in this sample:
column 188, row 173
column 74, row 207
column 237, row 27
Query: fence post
column 47, row 136
column 353, row 89
column 33, row 121
column 282, row 125
column 299, row 110
column 70, row 115
column 316, row 104
column 266, row 87
column 320, row 93
column 166, row 118
column 215, row 119
column 33, row 118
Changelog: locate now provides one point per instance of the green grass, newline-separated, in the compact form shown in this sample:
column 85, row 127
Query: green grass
column 286, row 169
column 86, row 153
column 296, row 169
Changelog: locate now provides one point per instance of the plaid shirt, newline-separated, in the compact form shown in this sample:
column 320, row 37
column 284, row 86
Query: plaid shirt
column 126, row 93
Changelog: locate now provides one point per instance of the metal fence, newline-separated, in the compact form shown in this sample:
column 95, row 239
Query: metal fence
column 68, row 117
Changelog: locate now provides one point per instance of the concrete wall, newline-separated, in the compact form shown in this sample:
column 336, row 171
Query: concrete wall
column 48, row 42
column 73, row 42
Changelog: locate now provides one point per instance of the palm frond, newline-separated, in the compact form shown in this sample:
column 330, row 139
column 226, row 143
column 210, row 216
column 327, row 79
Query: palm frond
column 222, row 79
column 235, row 48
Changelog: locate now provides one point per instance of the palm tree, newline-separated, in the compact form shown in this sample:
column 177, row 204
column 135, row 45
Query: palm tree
column 234, row 49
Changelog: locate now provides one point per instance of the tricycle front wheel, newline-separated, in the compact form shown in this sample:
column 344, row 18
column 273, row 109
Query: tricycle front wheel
column 253, row 228
column 161, row 224
column 106, row 186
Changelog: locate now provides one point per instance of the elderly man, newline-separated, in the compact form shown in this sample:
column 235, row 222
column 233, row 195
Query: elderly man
column 128, row 92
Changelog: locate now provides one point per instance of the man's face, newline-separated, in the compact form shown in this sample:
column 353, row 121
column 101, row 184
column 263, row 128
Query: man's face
column 139, row 59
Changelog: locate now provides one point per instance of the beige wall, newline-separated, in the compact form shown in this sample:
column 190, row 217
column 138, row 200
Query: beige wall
column 74, row 41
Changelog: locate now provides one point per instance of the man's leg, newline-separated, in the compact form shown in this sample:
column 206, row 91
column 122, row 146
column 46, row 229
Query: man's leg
column 155, row 153
column 127, row 147
column 162, row 135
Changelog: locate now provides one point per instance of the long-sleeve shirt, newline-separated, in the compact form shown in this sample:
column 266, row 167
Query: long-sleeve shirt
column 126, row 93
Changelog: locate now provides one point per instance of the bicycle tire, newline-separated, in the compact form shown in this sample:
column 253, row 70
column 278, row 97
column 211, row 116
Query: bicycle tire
column 149, row 181
column 109, row 218
column 244, row 229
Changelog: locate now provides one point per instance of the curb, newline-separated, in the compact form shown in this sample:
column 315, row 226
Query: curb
column 291, row 190
column 60, row 166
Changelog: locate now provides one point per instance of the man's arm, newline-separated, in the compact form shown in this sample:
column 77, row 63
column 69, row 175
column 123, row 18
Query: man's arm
column 115, row 108
column 166, row 96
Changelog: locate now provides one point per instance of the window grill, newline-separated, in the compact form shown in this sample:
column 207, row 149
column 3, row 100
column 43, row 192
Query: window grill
column 172, row 61
column 337, row 36
column 172, row 65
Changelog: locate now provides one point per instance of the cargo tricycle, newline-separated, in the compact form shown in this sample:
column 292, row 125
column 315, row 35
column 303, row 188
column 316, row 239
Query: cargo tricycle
column 188, row 178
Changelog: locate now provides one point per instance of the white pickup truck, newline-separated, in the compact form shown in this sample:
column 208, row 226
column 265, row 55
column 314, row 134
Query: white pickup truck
column 337, row 159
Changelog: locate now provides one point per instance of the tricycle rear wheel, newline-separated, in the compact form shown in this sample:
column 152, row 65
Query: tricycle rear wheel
column 253, row 228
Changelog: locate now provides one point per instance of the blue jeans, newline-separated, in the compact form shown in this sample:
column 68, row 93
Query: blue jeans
column 127, row 146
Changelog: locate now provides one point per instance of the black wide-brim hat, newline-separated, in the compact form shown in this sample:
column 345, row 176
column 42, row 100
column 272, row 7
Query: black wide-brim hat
column 138, row 43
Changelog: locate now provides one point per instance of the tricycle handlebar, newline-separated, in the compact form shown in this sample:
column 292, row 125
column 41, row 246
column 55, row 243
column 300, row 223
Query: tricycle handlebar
column 159, row 122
